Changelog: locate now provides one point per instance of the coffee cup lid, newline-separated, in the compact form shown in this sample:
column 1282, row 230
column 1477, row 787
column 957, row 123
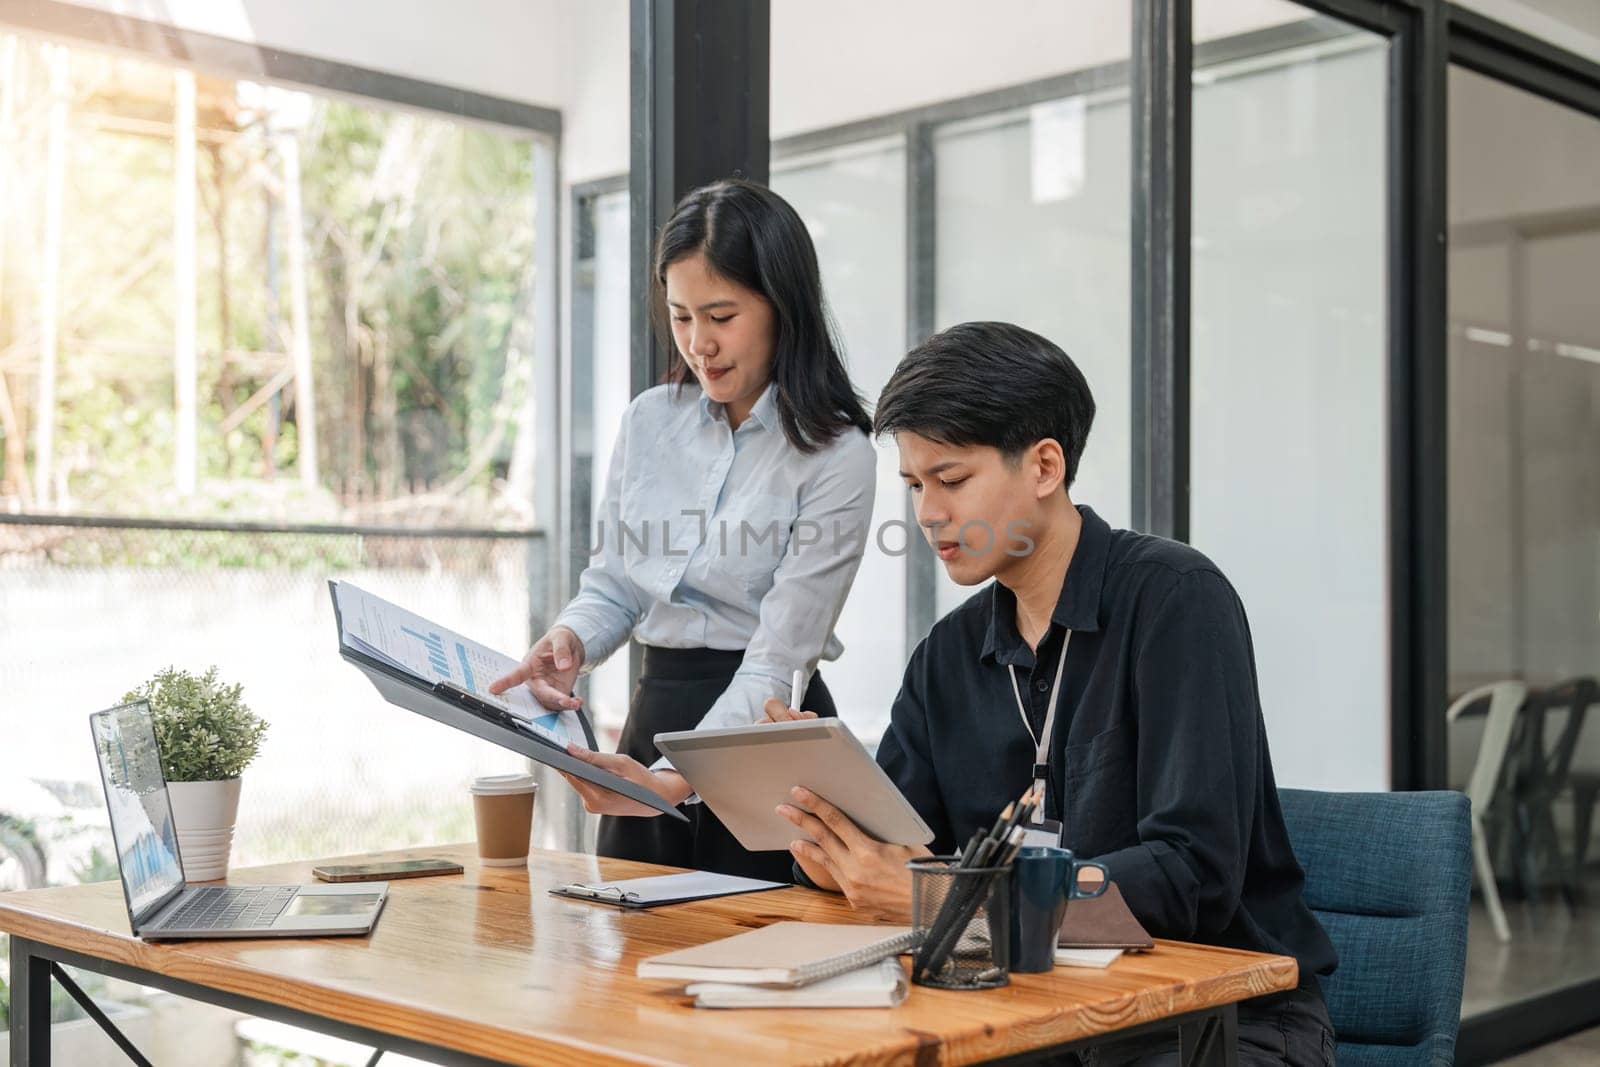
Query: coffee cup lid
column 501, row 784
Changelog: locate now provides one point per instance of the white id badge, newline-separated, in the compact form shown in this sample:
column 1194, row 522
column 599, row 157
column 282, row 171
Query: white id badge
column 1043, row 832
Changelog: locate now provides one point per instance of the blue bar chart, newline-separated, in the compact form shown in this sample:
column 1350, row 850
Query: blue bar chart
column 435, row 646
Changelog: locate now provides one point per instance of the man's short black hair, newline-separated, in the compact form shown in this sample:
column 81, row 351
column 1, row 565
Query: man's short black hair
column 989, row 383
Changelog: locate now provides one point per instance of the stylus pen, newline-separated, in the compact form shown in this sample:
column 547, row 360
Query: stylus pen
column 794, row 689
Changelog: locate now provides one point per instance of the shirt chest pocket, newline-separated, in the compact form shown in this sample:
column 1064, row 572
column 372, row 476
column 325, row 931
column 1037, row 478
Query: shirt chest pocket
column 1101, row 808
column 746, row 542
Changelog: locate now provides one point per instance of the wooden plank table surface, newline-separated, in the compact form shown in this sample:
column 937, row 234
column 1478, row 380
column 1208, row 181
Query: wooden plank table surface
column 490, row 964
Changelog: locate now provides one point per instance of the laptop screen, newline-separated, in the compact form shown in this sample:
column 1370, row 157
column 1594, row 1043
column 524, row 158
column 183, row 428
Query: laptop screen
column 136, row 795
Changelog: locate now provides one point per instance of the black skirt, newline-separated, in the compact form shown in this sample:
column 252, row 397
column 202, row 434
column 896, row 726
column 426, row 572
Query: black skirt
column 677, row 686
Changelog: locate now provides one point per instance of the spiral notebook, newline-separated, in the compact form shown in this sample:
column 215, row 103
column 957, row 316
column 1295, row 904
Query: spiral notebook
column 664, row 889
column 783, row 954
column 877, row 985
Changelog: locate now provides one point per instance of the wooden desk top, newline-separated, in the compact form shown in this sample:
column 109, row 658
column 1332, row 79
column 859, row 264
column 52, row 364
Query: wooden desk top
column 490, row 963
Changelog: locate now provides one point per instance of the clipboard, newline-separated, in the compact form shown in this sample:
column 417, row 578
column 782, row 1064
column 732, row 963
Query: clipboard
column 462, row 710
column 637, row 894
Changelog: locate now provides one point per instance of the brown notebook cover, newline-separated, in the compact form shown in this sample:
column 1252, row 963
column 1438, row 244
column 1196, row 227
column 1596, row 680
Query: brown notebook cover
column 1103, row 922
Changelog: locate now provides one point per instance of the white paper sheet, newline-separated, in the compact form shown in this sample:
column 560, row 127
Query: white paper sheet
column 672, row 887
column 1100, row 958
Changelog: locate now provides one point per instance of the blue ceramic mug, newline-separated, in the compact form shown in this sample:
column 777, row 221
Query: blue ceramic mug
column 1043, row 880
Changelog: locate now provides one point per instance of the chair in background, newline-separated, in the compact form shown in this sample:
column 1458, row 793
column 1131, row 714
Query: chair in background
column 1585, row 794
column 1389, row 875
column 1585, row 785
column 1502, row 701
column 1541, row 774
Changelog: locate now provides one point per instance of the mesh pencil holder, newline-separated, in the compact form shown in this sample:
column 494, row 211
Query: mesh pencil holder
column 962, row 918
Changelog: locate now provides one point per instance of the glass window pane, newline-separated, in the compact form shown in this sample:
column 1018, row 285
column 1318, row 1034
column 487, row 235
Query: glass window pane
column 853, row 201
column 315, row 263
column 1288, row 376
column 1524, row 519
column 1026, row 106
column 599, row 382
column 1033, row 227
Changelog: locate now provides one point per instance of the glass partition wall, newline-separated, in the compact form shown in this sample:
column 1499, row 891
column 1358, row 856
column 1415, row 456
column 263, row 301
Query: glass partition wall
column 1524, row 533
column 984, row 175
column 1290, row 358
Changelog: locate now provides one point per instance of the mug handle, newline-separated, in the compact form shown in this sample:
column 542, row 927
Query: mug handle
column 1105, row 880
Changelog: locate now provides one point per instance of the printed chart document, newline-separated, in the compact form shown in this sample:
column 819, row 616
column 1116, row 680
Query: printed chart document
column 428, row 651
column 434, row 672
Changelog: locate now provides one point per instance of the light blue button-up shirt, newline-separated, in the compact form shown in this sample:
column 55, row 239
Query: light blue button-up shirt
column 710, row 537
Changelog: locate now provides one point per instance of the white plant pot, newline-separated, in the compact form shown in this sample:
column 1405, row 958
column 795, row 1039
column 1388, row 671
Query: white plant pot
column 204, row 814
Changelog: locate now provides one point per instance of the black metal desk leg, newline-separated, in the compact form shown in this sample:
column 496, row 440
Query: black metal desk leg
column 1211, row 1040
column 30, row 1006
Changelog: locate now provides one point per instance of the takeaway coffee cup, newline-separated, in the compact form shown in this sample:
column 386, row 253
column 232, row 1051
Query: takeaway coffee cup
column 502, row 806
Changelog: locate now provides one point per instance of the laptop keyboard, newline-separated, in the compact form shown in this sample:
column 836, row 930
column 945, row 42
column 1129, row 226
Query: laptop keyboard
column 245, row 907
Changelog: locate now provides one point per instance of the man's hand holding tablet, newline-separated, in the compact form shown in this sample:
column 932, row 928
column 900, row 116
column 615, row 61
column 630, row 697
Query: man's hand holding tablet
column 839, row 856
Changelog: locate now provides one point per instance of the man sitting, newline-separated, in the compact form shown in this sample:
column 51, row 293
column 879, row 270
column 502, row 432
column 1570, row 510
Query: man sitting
column 1115, row 666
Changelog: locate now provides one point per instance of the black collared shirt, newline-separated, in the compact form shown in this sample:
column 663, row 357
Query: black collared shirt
column 1158, row 761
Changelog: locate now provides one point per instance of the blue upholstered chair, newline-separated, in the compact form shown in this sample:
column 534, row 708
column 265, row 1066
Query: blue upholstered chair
column 1389, row 876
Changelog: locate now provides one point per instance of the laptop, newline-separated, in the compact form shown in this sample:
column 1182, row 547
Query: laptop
column 160, row 904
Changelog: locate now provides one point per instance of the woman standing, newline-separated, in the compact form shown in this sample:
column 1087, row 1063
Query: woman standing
column 736, row 510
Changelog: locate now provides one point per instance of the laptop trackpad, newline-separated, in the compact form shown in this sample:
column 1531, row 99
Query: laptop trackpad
column 310, row 902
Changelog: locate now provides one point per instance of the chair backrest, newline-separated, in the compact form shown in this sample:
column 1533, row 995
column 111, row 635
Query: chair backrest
column 1505, row 700
column 1389, row 875
column 1544, row 765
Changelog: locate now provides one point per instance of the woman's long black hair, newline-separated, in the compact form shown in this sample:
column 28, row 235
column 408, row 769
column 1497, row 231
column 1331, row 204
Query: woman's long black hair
column 750, row 235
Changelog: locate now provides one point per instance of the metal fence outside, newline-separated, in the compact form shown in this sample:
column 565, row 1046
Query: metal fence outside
column 90, row 608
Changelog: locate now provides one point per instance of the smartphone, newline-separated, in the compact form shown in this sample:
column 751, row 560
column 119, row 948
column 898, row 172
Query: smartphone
column 373, row 872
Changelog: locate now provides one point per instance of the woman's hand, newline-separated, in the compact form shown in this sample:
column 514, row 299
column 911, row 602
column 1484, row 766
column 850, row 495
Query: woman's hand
column 668, row 784
column 871, row 874
column 550, row 670
column 775, row 711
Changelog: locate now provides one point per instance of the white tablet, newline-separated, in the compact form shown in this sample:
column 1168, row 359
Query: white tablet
column 745, row 772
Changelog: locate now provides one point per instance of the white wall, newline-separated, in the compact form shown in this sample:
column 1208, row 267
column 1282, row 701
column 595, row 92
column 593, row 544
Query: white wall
column 889, row 55
column 595, row 93
column 572, row 57
column 500, row 47
column 1572, row 24
column 1512, row 153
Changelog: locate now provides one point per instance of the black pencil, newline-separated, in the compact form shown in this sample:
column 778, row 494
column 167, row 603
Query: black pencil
column 942, row 941
column 980, row 852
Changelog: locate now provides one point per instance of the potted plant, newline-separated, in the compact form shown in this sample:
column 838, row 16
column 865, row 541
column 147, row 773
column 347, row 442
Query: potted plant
column 207, row 736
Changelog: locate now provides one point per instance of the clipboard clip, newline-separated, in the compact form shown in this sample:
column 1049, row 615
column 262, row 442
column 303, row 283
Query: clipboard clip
column 473, row 702
column 610, row 893
column 494, row 711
